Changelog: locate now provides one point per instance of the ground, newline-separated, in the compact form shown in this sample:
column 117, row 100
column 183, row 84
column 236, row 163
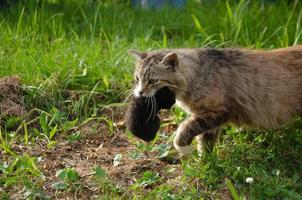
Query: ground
column 65, row 82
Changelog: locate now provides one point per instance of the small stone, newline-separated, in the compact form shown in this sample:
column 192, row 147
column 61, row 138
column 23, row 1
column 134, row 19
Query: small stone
column 249, row 180
column 117, row 159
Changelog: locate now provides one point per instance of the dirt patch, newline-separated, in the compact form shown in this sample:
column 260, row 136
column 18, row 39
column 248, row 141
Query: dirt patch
column 11, row 95
column 100, row 149
column 98, row 146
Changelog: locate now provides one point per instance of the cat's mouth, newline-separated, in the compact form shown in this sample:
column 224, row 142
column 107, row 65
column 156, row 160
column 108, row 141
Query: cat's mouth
column 144, row 94
column 152, row 92
column 149, row 94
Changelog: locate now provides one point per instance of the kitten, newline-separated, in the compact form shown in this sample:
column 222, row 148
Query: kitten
column 254, row 88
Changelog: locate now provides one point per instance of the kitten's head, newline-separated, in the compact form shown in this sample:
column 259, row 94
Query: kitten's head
column 155, row 70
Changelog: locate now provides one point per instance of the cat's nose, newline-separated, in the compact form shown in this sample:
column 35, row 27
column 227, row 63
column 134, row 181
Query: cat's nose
column 140, row 93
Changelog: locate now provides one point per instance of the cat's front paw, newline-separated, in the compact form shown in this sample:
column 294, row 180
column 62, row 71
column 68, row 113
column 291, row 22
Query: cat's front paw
column 183, row 150
column 181, row 143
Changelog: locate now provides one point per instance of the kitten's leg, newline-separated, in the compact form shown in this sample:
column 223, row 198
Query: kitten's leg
column 194, row 126
column 206, row 141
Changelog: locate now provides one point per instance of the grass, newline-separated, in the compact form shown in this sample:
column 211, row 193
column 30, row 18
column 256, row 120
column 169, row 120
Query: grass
column 76, row 74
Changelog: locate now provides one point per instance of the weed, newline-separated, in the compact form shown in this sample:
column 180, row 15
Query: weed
column 69, row 179
column 71, row 57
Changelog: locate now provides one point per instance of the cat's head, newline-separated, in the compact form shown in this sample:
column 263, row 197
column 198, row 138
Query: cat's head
column 155, row 70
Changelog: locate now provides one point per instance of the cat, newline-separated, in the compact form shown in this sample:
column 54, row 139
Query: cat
column 260, row 89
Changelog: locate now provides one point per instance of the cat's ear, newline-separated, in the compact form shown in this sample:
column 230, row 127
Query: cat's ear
column 138, row 55
column 170, row 60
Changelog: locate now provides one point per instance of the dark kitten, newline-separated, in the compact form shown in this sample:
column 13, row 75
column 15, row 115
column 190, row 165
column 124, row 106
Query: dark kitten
column 141, row 117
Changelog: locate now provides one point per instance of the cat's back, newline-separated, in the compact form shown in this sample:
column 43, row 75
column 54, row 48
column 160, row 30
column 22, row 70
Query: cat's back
column 286, row 58
column 267, row 86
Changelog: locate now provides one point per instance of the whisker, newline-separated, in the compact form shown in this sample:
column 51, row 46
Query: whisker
column 148, row 102
column 150, row 114
column 152, row 106
column 155, row 107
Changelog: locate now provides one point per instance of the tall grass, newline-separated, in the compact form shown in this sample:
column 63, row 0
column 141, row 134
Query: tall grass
column 80, row 47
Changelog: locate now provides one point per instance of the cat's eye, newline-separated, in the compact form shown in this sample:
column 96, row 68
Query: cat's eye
column 153, row 81
column 136, row 79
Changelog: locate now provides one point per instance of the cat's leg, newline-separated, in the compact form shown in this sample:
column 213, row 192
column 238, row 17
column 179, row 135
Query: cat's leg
column 206, row 141
column 194, row 126
column 181, row 142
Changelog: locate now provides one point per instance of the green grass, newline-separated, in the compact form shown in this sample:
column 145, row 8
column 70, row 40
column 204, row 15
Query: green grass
column 72, row 59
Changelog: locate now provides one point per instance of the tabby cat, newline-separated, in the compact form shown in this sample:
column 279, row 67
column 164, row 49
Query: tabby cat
column 254, row 88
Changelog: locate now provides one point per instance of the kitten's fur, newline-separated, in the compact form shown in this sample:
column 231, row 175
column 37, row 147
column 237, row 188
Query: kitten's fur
column 255, row 88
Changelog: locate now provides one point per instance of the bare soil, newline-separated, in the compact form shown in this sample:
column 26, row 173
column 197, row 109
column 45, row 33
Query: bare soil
column 95, row 148
column 11, row 96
